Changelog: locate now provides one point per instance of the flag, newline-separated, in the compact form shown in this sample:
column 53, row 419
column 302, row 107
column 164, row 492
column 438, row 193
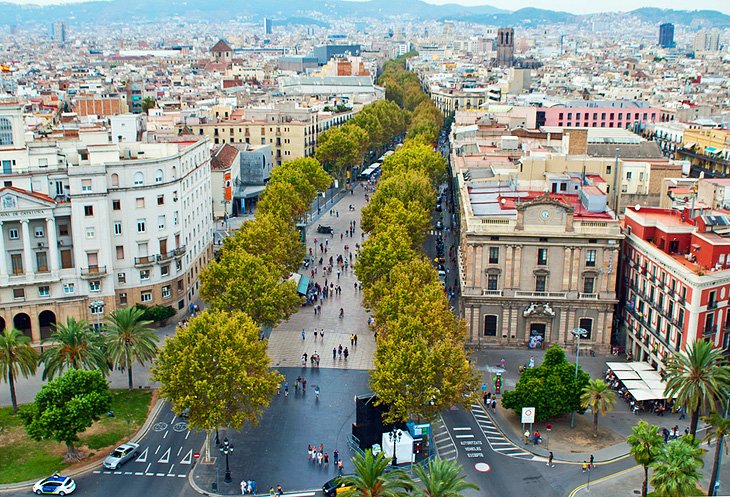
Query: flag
column 4, row 68
column 227, row 185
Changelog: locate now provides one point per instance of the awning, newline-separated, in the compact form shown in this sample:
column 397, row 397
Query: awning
column 250, row 191
column 303, row 285
column 689, row 145
column 640, row 379
column 627, row 375
column 619, row 366
column 711, row 150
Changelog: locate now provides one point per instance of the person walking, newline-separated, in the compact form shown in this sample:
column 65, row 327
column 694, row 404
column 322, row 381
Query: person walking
column 316, row 391
column 303, row 328
column 584, row 467
column 355, row 338
column 590, row 463
column 335, row 456
column 550, row 460
column 346, row 353
column 243, row 487
column 340, row 467
column 339, row 351
column 286, row 389
column 334, row 353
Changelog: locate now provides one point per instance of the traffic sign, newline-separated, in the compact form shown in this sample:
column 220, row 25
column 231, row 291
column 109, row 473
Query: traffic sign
column 528, row 415
column 196, row 455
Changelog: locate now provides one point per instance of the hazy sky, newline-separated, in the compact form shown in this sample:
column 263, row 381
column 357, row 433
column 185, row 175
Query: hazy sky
column 575, row 6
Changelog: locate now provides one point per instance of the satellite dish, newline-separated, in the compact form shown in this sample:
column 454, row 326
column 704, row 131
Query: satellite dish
column 637, row 207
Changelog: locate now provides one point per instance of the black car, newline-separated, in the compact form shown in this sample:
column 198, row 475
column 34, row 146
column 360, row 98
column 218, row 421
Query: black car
column 334, row 487
column 325, row 229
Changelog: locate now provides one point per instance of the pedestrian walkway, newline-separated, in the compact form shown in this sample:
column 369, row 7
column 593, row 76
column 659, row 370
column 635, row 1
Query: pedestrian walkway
column 496, row 439
column 445, row 445
column 286, row 345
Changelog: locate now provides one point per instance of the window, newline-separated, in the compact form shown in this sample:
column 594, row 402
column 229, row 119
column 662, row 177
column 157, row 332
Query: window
column 165, row 270
column 586, row 324
column 161, row 222
column 117, row 205
column 85, row 185
column 680, row 317
column 146, row 296
column 709, row 324
column 18, row 293
column 13, row 234
column 138, row 178
column 494, row 255
column 41, row 259
column 180, row 304
column 44, row 291
column 141, row 228
column 166, row 293
column 144, row 274
column 94, row 286
column 492, row 281
column 588, row 284
column 628, row 175
column 88, row 210
column 90, row 233
column 160, row 200
column 68, row 288
column 122, row 277
column 117, row 227
column 39, row 232
column 158, row 176
column 16, row 261
column 179, row 285
column 542, row 256
column 540, row 283
column 66, row 259
column 712, row 302
column 174, row 218
column 63, row 229
column 6, row 133
column 140, row 203
column 120, row 252
column 591, row 258
column 490, row 325
column 123, row 298
column 115, row 179
column 178, row 266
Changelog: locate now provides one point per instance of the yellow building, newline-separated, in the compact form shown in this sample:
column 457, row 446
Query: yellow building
column 707, row 149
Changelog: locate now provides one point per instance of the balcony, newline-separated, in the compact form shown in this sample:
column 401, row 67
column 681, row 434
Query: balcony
column 587, row 296
column 180, row 251
column 491, row 293
column 93, row 271
column 166, row 256
column 147, row 260
column 542, row 295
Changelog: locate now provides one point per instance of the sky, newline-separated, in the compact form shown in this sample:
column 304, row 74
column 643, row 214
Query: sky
column 574, row 6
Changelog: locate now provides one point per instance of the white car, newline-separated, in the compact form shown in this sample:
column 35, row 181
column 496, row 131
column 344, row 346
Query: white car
column 55, row 485
column 121, row 454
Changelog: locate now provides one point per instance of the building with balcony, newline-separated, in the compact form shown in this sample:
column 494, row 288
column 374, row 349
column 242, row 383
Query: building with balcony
column 675, row 280
column 708, row 151
column 534, row 264
column 85, row 221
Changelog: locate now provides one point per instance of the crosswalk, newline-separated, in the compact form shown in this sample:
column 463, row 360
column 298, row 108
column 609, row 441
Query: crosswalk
column 496, row 440
column 445, row 446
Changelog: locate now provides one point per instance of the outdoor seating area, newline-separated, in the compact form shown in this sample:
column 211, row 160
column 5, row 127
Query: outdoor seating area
column 639, row 385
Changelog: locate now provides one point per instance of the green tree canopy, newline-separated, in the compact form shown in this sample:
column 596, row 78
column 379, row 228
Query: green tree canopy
column 67, row 406
column 217, row 367
column 282, row 199
column 129, row 339
column 243, row 282
column 550, row 388
column 400, row 284
column 305, row 175
column 698, row 377
column 372, row 479
column 273, row 239
column 646, row 444
column 382, row 252
column 73, row 345
column 719, row 429
column 677, row 469
column 442, row 478
column 415, row 220
column 599, row 398
column 338, row 151
column 412, row 188
column 17, row 358
column 417, row 157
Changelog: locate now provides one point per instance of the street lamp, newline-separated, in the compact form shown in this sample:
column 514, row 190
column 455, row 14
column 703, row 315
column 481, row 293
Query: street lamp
column 395, row 435
column 578, row 333
column 225, row 450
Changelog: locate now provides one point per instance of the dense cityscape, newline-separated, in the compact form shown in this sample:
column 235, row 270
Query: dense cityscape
column 400, row 249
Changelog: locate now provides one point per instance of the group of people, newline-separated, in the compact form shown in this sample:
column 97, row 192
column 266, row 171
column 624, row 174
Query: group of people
column 313, row 359
column 248, row 487
column 317, row 455
column 535, row 437
column 339, row 351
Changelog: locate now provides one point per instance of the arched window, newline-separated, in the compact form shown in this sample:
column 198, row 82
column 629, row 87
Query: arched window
column 138, row 178
column 115, row 179
column 158, row 176
column 6, row 131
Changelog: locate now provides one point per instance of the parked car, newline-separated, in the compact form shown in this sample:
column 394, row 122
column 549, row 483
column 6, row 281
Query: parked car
column 55, row 485
column 121, row 454
column 333, row 487
column 325, row 229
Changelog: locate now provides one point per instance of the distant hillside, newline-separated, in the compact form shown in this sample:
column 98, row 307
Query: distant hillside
column 687, row 17
column 523, row 17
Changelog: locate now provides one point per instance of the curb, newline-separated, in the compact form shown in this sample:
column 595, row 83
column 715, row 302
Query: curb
column 93, row 464
column 599, row 480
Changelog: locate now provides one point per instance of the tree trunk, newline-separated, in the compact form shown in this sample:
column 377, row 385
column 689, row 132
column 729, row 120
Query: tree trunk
column 207, row 446
column 595, row 424
column 645, row 485
column 716, row 465
column 13, row 397
column 694, row 422
column 129, row 377
column 72, row 453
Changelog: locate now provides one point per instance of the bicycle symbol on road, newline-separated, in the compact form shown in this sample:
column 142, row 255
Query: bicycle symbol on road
column 181, row 426
column 160, row 426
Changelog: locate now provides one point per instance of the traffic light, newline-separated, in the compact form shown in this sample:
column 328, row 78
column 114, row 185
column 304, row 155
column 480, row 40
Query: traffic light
column 498, row 384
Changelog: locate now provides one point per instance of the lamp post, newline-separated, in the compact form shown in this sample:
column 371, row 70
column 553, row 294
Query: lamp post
column 578, row 333
column 225, row 450
column 395, row 435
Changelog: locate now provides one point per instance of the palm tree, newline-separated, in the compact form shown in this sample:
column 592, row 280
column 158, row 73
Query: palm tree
column 73, row 345
column 129, row 339
column 17, row 357
column 677, row 469
column 442, row 478
column 646, row 445
column 371, row 480
column 721, row 428
column 697, row 377
column 600, row 398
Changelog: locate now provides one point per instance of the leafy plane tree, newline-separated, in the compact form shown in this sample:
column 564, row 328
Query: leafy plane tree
column 217, row 368
column 67, row 406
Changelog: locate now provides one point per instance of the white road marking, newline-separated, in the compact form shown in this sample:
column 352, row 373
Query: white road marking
column 97, row 472
column 138, row 473
column 187, row 435
column 147, row 469
column 165, row 435
column 143, row 456
column 165, row 457
column 463, row 436
column 157, row 449
column 169, row 471
column 160, row 474
column 179, row 450
column 173, row 418
column 188, row 459
column 462, row 428
column 181, row 476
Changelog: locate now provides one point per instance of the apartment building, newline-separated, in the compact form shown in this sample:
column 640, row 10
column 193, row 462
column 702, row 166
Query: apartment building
column 708, row 150
column 88, row 226
column 533, row 265
column 675, row 280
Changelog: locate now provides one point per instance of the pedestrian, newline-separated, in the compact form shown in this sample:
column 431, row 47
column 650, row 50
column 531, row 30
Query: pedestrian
column 320, row 456
column 335, row 456
column 272, row 491
column 321, row 333
column 340, row 467
column 494, row 405
column 326, row 459
column 310, row 452
column 279, row 490
column 316, row 391
column 249, row 487
column 527, row 436
column 303, row 328
column 339, row 350
column 352, row 340
column 304, row 386
column 334, row 353
column 286, row 389
column 355, row 338
column 253, row 487
column 243, row 487
column 346, row 353
column 304, row 359
column 590, row 463
column 682, row 413
column 315, row 334
column 584, row 467
column 536, row 437
column 550, row 460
